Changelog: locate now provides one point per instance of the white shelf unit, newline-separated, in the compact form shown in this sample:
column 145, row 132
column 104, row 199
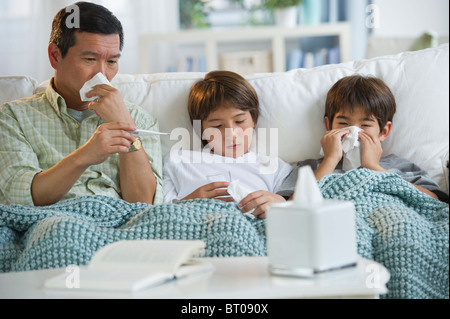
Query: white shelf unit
column 211, row 39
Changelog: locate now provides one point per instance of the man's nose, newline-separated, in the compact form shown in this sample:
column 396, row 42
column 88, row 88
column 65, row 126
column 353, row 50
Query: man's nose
column 101, row 68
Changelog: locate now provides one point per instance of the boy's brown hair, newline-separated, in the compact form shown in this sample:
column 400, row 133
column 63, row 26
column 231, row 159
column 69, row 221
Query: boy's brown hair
column 368, row 92
column 219, row 87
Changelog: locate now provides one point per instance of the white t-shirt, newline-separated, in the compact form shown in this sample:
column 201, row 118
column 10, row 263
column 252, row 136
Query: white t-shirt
column 186, row 171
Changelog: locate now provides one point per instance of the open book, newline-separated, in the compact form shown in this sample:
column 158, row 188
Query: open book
column 132, row 265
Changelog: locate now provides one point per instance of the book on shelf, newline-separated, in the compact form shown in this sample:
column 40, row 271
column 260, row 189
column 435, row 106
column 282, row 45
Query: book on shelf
column 189, row 64
column 321, row 57
column 334, row 55
column 133, row 265
column 309, row 61
column 332, row 11
column 297, row 58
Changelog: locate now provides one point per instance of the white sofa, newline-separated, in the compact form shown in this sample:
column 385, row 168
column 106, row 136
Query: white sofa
column 293, row 102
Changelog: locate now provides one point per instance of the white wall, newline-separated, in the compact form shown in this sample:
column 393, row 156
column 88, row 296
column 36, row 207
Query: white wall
column 410, row 18
column 25, row 27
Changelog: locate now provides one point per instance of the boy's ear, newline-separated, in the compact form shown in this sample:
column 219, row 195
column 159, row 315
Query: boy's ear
column 327, row 123
column 385, row 131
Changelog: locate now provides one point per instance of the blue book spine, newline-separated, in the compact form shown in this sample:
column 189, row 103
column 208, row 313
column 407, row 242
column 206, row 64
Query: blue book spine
column 294, row 59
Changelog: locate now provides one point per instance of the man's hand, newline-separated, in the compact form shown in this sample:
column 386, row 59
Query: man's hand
column 52, row 185
column 109, row 105
column 217, row 190
column 108, row 139
column 260, row 201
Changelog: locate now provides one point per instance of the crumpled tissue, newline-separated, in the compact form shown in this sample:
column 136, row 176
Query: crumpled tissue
column 307, row 192
column 351, row 149
column 239, row 192
column 97, row 79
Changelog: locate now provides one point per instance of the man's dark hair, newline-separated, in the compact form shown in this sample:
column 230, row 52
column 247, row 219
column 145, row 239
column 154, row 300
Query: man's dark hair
column 93, row 18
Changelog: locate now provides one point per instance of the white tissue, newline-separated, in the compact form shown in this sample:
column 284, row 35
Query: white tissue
column 351, row 149
column 307, row 192
column 97, row 79
column 239, row 192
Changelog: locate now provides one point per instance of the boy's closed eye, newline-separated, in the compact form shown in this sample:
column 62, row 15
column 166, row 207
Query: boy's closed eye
column 218, row 126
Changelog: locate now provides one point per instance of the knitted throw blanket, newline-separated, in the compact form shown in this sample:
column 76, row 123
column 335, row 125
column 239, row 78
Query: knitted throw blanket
column 397, row 226
column 71, row 231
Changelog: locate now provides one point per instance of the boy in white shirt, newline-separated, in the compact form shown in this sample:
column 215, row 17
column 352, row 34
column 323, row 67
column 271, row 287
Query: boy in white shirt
column 228, row 108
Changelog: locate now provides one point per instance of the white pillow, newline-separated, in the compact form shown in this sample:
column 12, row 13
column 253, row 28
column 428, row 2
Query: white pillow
column 16, row 87
column 445, row 164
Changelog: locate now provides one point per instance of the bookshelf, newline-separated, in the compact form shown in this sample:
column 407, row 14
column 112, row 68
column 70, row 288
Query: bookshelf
column 211, row 43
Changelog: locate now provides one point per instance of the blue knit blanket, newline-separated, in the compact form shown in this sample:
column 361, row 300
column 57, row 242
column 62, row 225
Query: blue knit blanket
column 397, row 226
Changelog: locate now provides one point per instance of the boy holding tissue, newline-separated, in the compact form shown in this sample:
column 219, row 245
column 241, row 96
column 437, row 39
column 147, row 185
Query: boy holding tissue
column 359, row 114
column 227, row 108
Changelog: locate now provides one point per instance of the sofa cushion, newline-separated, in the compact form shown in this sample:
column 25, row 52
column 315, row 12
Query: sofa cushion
column 16, row 87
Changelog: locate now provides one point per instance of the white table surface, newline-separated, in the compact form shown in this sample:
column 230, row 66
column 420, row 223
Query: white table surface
column 232, row 278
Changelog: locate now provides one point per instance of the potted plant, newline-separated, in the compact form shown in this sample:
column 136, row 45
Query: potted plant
column 285, row 11
column 193, row 15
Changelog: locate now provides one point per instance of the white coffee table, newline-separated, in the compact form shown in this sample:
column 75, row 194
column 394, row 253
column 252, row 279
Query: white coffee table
column 233, row 278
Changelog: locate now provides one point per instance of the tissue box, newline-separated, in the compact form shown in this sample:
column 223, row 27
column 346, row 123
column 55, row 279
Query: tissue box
column 304, row 241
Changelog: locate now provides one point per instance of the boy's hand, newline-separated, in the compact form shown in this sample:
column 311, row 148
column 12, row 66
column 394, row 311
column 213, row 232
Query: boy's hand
column 260, row 201
column 217, row 190
column 332, row 150
column 332, row 144
column 372, row 151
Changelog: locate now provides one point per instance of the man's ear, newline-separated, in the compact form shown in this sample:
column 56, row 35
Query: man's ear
column 54, row 55
column 327, row 123
column 385, row 131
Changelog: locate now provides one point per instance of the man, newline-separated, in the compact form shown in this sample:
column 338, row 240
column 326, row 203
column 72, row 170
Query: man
column 55, row 146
